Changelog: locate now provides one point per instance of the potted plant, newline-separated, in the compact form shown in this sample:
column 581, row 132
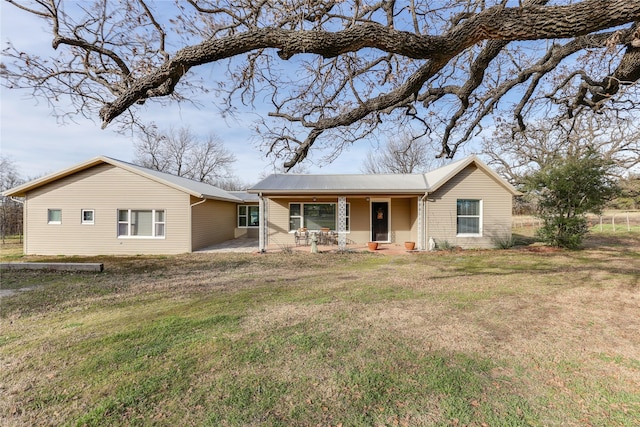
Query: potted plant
column 409, row 245
column 372, row 246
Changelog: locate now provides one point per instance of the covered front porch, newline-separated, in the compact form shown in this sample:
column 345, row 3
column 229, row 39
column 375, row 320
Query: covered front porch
column 351, row 220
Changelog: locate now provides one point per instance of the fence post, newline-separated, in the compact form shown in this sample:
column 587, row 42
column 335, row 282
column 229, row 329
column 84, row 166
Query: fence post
column 613, row 222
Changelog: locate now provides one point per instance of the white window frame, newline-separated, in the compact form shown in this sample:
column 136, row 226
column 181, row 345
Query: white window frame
column 301, row 216
column 154, row 224
column 49, row 220
column 479, row 216
column 86, row 221
column 246, row 216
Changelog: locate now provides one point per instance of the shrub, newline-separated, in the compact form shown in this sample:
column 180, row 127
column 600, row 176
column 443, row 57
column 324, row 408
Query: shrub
column 563, row 232
column 566, row 191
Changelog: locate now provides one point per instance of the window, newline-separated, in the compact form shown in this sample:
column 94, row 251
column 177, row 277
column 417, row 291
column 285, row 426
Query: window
column 295, row 216
column 141, row 223
column 248, row 216
column 469, row 213
column 54, row 216
column 314, row 216
column 87, row 216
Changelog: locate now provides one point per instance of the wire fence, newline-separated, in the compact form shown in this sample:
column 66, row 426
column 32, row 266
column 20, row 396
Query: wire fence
column 618, row 221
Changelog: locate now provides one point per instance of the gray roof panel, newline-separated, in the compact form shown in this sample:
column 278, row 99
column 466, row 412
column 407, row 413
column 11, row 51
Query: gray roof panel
column 343, row 183
column 245, row 197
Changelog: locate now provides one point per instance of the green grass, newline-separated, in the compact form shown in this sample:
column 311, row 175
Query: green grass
column 617, row 228
column 511, row 337
column 11, row 249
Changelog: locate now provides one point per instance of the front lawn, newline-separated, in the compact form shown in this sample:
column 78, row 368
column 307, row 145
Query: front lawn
column 504, row 337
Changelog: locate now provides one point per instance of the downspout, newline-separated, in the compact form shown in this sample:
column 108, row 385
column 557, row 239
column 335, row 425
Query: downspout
column 191, row 221
column 197, row 203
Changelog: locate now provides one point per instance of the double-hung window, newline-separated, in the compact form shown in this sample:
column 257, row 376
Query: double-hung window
column 141, row 223
column 469, row 217
column 315, row 216
column 248, row 216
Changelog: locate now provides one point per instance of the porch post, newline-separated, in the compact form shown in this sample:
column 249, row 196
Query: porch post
column 342, row 223
column 262, row 224
column 421, row 222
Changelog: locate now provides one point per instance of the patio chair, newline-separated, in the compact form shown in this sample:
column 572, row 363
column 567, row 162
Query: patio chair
column 301, row 235
column 324, row 236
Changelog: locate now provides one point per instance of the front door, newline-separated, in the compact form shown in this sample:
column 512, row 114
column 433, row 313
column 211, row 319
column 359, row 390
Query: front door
column 380, row 221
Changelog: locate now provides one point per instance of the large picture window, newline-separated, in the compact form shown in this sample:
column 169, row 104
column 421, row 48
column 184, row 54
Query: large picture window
column 315, row 216
column 141, row 223
column 469, row 214
column 248, row 216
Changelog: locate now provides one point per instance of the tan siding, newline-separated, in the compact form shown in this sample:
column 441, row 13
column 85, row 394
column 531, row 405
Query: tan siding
column 471, row 183
column 360, row 221
column 213, row 222
column 402, row 220
column 250, row 232
column 105, row 189
column 278, row 223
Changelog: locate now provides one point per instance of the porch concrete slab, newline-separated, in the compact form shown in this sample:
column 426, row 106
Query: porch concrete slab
column 251, row 245
column 241, row 244
column 383, row 248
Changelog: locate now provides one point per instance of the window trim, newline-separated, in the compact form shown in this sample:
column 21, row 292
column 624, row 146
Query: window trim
column 479, row 216
column 154, row 223
column 247, row 216
column 301, row 216
column 87, row 222
column 49, row 221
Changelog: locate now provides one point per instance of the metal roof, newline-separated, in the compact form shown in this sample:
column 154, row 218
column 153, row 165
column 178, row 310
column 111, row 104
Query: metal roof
column 342, row 183
column 245, row 197
column 287, row 183
column 195, row 188
column 370, row 183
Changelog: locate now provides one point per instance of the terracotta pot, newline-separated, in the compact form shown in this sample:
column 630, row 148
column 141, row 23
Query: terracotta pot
column 409, row 245
column 373, row 246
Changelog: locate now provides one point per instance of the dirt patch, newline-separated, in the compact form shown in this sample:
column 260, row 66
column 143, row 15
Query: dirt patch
column 10, row 292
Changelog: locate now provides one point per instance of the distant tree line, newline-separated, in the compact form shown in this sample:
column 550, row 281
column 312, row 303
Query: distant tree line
column 11, row 210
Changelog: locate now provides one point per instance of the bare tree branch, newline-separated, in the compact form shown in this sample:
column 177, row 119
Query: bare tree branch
column 337, row 72
column 180, row 152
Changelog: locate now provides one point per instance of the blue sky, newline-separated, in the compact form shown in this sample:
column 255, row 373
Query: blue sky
column 39, row 144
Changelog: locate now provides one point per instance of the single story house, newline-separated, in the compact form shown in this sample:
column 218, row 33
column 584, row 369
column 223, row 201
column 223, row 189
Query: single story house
column 463, row 204
column 107, row 206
